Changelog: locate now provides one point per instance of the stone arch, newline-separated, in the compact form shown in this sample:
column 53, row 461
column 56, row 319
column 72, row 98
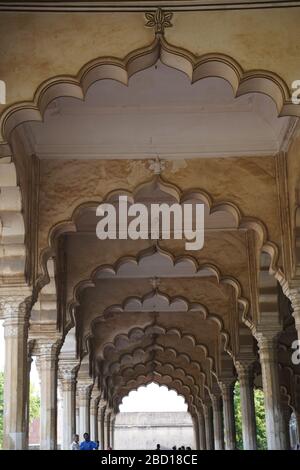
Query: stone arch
column 139, row 333
column 178, row 355
column 201, row 309
column 118, row 400
column 155, row 377
column 242, row 222
column 143, row 368
column 211, row 268
column 114, row 368
column 196, row 68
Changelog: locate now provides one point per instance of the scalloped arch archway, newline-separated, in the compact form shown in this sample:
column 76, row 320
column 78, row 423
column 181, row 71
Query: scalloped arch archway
column 196, row 68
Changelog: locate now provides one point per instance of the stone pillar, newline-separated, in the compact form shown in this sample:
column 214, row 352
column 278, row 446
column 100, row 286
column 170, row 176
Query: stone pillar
column 218, row 422
column 201, row 425
column 15, row 311
column 101, row 430
column 77, row 414
column 209, row 433
column 227, row 388
column 94, row 416
column 59, row 401
column 112, row 429
column 47, row 365
column 84, row 394
column 67, row 373
column 107, row 428
column 202, row 438
column 245, row 375
column 196, row 431
column 267, row 343
column 29, row 362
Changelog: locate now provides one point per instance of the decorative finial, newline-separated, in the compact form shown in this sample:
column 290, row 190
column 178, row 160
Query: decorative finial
column 160, row 20
column 157, row 166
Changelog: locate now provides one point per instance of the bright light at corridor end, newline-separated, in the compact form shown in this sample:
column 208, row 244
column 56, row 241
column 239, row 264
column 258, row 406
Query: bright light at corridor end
column 153, row 398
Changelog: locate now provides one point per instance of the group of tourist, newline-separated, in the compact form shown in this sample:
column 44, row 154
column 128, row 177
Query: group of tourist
column 86, row 444
column 158, row 448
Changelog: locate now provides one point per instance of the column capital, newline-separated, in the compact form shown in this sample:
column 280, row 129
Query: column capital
column 267, row 339
column 244, row 368
column 15, row 303
column 15, row 311
column 47, row 349
column 67, row 371
column 227, row 386
column 292, row 291
column 84, row 388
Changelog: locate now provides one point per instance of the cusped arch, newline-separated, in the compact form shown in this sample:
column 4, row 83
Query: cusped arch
column 128, row 369
column 160, row 379
column 196, row 68
column 137, row 333
column 125, row 359
column 156, row 367
column 241, row 222
column 169, row 387
column 190, row 307
column 196, row 268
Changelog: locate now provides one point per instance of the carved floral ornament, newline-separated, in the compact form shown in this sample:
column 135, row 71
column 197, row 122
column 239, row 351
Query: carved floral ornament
column 159, row 20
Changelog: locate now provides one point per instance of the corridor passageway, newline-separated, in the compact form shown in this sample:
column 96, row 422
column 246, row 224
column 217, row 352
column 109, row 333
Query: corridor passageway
column 157, row 110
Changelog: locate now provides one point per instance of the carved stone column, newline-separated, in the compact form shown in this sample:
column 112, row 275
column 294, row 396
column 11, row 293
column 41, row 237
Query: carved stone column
column 267, row 342
column 201, row 425
column 112, row 429
column 67, row 374
column 47, row 366
column 196, row 431
column 15, row 312
column 84, row 388
column 208, row 418
column 227, row 388
column 29, row 362
column 218, row 422
column 77, row 412
column 101, row 417
column 107, row 427
column 94, row 414
column 245, row 375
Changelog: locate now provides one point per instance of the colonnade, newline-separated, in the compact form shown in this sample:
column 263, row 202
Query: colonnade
column 214, row 420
